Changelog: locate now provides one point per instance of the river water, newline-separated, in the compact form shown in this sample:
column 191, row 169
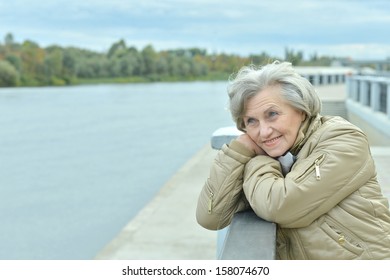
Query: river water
column 78, row 163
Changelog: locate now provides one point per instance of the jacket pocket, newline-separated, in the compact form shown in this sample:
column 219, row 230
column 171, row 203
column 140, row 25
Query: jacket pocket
column 313, row 167
column 342, row 236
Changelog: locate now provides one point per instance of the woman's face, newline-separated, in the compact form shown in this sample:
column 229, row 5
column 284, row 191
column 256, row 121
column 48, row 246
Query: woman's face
column 271, row 122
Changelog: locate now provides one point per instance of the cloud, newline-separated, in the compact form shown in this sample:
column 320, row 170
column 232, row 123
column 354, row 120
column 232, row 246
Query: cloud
column 231, row 26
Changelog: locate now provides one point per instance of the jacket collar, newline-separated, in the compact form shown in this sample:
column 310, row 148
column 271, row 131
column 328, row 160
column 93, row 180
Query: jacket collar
column 307, row 128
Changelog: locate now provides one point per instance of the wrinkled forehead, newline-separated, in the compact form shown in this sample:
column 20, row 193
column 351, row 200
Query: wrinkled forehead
column 262, row 100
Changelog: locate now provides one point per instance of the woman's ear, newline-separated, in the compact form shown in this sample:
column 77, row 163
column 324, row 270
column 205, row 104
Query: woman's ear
column 242, row 127
column 303, row 116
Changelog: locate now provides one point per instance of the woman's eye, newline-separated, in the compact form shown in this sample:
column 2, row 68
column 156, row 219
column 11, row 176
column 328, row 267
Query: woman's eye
column 251, row 121
column 272, row 114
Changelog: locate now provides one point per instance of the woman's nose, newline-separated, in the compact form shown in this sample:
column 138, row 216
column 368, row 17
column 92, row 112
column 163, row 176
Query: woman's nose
column 265, row 131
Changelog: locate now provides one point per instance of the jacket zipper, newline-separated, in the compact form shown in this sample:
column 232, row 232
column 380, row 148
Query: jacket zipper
column 211, row 196
column 314, row 167
column 317, row 167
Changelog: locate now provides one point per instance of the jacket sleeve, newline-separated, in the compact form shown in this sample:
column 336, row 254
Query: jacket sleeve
column 338, row 164
column 222, row 194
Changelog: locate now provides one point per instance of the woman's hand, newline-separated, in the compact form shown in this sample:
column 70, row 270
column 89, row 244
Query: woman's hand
column 250, row 144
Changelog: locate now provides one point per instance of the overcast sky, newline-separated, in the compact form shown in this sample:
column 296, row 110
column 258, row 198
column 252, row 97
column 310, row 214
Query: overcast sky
column 359, row 29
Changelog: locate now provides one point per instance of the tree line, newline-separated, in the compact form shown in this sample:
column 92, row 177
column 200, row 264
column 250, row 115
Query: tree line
column 28, row 64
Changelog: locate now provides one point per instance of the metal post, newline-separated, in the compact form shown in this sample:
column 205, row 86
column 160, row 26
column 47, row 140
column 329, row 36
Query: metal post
column 375, row 96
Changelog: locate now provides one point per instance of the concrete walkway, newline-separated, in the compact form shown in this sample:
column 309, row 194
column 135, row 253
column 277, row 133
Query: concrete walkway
column 381, row 156
column 332, row 92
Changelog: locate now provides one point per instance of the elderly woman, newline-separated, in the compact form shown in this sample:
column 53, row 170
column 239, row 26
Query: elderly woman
column 326, row 201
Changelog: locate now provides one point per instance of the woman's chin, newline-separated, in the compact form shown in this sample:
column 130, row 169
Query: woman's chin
column 275, row 153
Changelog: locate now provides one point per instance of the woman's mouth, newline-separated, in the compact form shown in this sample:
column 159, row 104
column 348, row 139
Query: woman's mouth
column 272, row 141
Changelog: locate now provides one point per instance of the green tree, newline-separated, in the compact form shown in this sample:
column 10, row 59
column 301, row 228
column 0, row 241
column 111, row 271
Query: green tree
column 53, row 65
column 137, row 63
column 119, row 46
column 295, row 58
column 15, row 60
column 162, row 65
column 9, row 77
column 9, row 41
column 33, row 64
column 149, row 56
column 69, row 64
column 260, row 59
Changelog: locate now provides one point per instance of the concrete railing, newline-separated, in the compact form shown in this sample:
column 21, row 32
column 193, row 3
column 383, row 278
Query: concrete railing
column 380, row 64
column 368, row 103
column 325, row 75
column 370, row 91
column 248, row 237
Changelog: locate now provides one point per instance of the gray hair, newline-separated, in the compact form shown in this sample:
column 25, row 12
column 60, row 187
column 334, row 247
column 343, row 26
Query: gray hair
column 250, row 80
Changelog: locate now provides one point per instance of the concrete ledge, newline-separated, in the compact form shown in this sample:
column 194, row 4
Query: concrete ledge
column 249, row 238
column 224, row 135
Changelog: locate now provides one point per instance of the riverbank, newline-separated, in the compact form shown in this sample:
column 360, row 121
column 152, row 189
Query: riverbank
column 211, row 77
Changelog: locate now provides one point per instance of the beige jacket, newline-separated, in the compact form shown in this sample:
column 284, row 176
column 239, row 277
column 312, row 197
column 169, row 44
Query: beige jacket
column 329, row 206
